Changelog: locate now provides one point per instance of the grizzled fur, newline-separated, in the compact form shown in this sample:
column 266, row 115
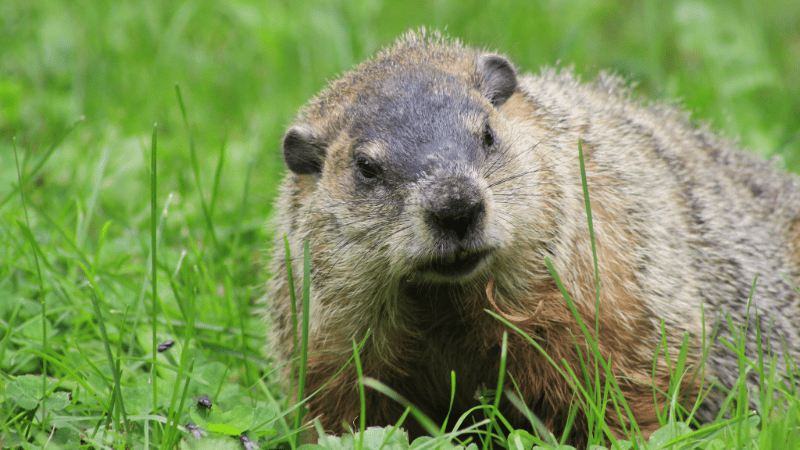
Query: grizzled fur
column 433, row 181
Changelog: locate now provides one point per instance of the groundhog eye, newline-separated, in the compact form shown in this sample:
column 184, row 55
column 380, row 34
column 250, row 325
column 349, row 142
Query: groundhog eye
column 488, row 136
column 367, row 168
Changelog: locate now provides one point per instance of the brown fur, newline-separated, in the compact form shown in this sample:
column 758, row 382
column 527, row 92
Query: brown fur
column 433, row 157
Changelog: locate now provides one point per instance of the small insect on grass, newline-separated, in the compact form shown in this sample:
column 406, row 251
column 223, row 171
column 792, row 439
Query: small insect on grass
column 247, row 443
column 203, row 401
column 164, row 346
column 195, row 431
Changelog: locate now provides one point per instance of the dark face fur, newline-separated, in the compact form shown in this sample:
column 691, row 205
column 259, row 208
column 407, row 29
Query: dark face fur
column 415, row 149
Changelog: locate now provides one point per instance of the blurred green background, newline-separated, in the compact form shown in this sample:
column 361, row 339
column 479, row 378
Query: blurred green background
column 245, row 67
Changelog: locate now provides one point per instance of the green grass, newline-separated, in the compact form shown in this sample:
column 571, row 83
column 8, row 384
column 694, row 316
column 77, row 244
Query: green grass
column 82, row 84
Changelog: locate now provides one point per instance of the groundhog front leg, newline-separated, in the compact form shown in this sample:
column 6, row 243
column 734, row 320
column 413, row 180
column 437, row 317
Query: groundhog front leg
column 337, row 405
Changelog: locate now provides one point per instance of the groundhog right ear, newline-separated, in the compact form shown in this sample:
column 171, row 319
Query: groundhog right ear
column 499, row 79
column 303, row 153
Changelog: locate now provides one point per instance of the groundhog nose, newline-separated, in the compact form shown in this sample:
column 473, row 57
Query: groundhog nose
column 458, row 216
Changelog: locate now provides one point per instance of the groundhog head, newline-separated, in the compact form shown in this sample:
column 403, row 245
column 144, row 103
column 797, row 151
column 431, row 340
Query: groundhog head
column 401, row 153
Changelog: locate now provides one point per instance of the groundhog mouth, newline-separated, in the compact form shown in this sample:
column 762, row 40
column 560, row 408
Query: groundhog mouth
column 455, row 265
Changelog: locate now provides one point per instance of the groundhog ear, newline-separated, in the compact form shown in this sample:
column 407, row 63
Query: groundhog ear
column 303, row 153
column 499, row 78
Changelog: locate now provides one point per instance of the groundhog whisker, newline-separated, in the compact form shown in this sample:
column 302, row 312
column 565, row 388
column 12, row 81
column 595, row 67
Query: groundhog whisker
column 511, row 178
column 520, row 195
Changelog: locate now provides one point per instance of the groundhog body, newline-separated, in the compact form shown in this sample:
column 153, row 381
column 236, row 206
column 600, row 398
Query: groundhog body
column 433, row 182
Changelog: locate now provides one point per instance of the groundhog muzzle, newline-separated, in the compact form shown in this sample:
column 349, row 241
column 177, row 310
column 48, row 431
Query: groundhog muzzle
column 433, row 181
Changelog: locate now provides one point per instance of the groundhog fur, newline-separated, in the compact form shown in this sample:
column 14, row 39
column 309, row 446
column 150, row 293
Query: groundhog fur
column 433, row 181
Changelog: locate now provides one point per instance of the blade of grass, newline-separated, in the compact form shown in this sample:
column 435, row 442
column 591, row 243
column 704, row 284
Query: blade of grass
column 593, row 344
column 43, row 296
column 452, row 399
column 569, row 376
column 743, row 398
column 196, row 171
column 140, row 304
column 537, row 424
column 498, row 393
column 188, row 307
column 218, row 172
column 237, row 227
column 598, row 391
column 301, row 402
column 118, row 386
column 154, row 267
column 591, row 238
column 301, row 377
column 429, row 426
column 362, row 419
column 394, row 429
column 69, row 240
column 250, row 374
column 91, row 206
column 50, row 150
column 111, row 360
column 293, row 303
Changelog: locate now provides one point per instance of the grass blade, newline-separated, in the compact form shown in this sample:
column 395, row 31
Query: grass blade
column 22, row 181
column 29, row 235
column 153, row 264
column 111, row 360
column 196, row 170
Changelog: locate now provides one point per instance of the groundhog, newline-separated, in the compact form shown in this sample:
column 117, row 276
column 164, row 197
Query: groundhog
column 433, row 182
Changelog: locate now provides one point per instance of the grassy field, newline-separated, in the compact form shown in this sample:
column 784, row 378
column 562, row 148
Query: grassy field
column 85, row 241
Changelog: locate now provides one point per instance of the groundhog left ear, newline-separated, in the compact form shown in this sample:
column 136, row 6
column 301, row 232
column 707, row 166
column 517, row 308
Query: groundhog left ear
column 304, row 154
column 499, row 79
